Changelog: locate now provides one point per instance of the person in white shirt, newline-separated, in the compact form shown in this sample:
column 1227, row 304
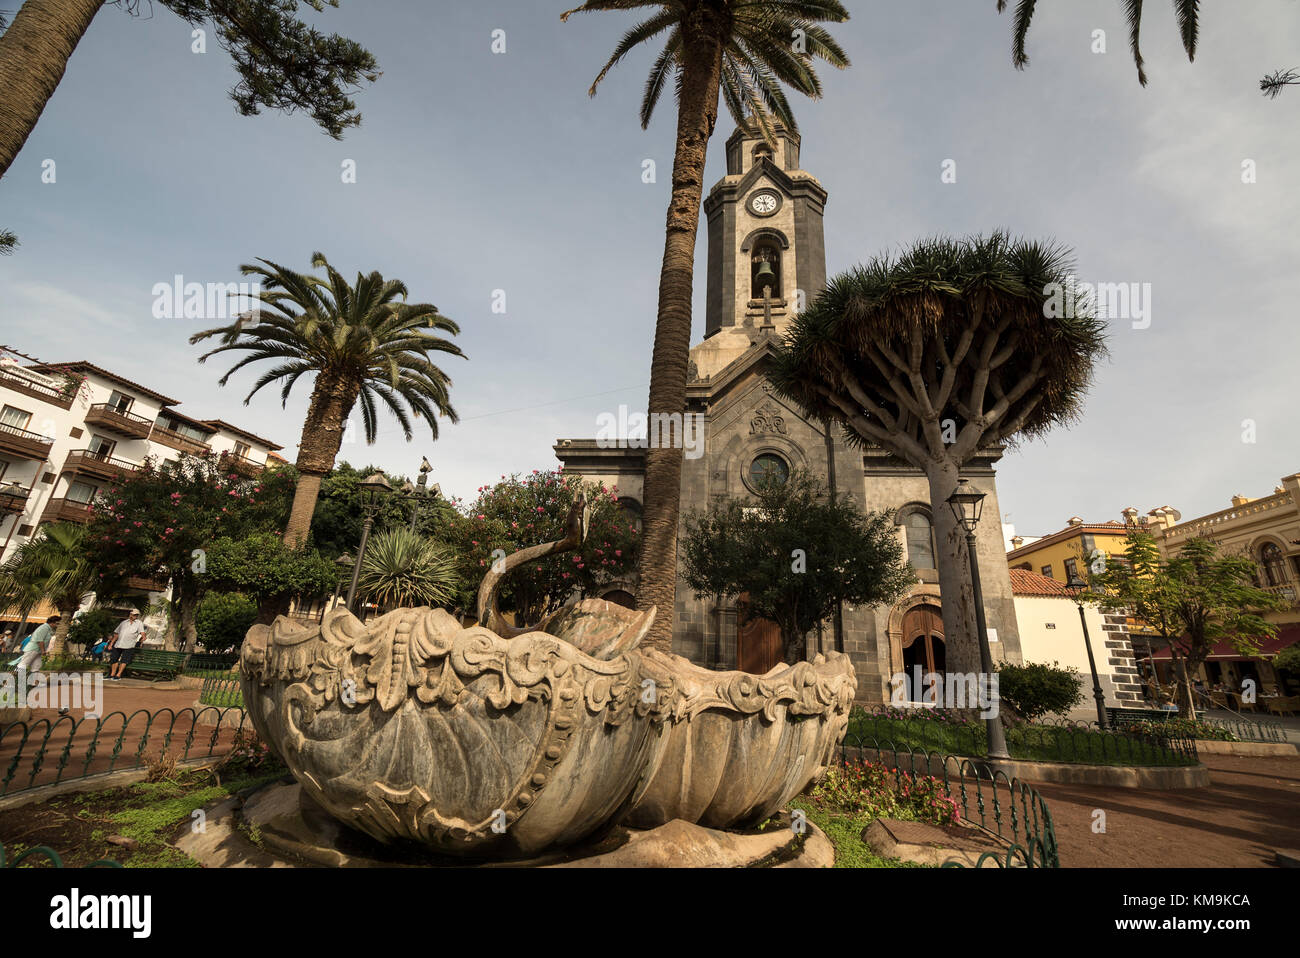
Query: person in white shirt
column 121, row 647
column 36, row 644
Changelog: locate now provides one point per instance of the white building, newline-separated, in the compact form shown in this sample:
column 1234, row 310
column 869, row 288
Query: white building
column 1050, row 632
column 67, row 430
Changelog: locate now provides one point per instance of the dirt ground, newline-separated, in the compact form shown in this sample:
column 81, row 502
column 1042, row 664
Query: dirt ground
column 1251, row 807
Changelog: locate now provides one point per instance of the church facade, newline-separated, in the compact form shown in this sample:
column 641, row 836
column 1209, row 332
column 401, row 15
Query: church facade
column 766, row 259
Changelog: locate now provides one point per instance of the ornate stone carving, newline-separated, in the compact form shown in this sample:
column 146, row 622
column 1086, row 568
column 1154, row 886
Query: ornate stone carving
column 767, row 418
column 414, row 727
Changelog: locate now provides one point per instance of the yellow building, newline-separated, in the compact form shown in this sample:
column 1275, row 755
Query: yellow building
column 1060, row 554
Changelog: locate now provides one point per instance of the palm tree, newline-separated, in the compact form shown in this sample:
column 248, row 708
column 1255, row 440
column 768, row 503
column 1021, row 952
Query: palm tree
column 1186, row 11
column 402, row 568
column 743, row 51
column 51, row 566
column 364, row 343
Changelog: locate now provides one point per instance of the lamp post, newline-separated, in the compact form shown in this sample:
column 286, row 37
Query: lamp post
column 967, row 505
column 1076, row 585
column 373, row 490
column 419, row 493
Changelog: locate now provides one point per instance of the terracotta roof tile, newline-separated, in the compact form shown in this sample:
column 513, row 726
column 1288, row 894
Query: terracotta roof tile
column 1024, row 582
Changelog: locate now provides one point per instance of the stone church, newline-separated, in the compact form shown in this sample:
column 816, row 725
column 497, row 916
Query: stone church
column 766, row 259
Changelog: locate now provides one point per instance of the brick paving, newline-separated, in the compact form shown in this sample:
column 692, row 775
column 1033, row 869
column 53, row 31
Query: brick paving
column 1251, row 807
column 136, row 699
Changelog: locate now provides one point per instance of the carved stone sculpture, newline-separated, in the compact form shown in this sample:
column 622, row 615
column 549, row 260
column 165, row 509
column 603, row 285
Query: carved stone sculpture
column 414, row 727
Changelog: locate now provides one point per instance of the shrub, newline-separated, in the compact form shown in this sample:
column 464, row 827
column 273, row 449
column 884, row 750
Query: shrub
column 868, row 788
column 1181, row 728
column 90, row 628
column 1035, row 689
column 223, row 619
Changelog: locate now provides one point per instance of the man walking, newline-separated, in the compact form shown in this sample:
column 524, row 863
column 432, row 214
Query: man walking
column 36, row 645
column 122, row 646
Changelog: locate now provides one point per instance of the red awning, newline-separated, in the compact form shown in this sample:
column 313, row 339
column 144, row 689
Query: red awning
column 1286, row 635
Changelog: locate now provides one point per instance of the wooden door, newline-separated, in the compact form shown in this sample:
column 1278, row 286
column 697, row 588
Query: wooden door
column 758, row 642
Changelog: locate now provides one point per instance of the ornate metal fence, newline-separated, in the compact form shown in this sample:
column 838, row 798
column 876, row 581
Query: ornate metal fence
column 1249, row 730
column 46, row 752
column 223, row 691
column 1006, row 809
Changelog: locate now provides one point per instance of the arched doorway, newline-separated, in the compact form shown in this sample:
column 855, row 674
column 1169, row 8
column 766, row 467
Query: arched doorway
column 621, row 597
column 923, row 646
column 758, row 642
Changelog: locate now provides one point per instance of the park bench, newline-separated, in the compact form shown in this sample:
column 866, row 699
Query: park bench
column 156, row 662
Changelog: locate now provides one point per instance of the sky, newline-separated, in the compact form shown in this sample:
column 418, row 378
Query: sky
column 479, row 172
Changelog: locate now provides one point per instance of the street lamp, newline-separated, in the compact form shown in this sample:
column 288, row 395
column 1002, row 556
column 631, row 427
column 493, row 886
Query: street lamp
column 419, row 494
column 373, row 489
column 1076, row 585
column 967, row 504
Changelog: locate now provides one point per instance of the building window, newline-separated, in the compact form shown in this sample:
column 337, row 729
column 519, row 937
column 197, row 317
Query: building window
column 13, row 416
column 101, row 448
column 920, row 541
column 242, row 450
column 1271, row 558
column 120, row 402
column 4, row 467
column 1071, row 569
column 768, row 468
column 1047, row 571
column 82, row 492
column 766, row 252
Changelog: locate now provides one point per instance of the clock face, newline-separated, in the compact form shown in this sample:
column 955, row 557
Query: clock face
column 764, row 204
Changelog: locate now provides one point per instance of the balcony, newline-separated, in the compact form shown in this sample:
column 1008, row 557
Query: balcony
column 24, row 443
column 66, row 510
column 118, row 421
column 146, row 584
column 89, row 463
column 1286, row 591
column 28, row 387
column 13, row 499
column 241, row 465
column 176, row 441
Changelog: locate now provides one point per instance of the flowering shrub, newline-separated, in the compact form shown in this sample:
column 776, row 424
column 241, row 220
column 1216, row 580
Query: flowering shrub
column 868, row 788
column 523, row 511
column 920, row 713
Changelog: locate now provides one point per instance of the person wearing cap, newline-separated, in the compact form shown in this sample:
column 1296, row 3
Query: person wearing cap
column 121, row 647
column 36, row 644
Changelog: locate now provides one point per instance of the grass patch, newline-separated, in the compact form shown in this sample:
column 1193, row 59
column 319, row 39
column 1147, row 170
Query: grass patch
column 150, row 813
column 844, row 829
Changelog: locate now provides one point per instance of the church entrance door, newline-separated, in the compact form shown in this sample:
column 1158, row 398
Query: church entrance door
column 923, row 646
column 758, row 642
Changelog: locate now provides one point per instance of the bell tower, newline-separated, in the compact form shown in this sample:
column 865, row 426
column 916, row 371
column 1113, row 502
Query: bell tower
column 765, row 233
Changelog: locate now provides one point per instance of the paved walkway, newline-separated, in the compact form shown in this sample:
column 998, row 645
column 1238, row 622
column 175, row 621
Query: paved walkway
column 68, row 739
column 1251, row 807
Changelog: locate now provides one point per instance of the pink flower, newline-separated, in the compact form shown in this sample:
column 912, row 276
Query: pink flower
column 169, row 530
column 540, row 509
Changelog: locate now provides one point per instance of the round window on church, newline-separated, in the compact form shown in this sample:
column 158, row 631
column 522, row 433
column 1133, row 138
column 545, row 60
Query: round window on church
column 768, row 468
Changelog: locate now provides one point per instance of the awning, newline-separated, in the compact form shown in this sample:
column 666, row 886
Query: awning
column 1286, row 635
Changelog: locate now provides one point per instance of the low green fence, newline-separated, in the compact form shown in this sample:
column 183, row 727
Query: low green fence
column 46, row 752
column 1070, row 742
column 1249, row 730
column 223, row 691
column 200, row 662
column 1006, row 809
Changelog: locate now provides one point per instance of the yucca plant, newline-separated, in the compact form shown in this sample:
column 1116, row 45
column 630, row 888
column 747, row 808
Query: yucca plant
column 364, row 344
column 402, row 568
column 743, row 51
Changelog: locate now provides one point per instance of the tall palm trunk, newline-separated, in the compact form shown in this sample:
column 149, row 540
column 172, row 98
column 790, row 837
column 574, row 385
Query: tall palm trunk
column 331, row 403
column 696, row 117
column 34, row 52
column 59, row 642
column 960, row 634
